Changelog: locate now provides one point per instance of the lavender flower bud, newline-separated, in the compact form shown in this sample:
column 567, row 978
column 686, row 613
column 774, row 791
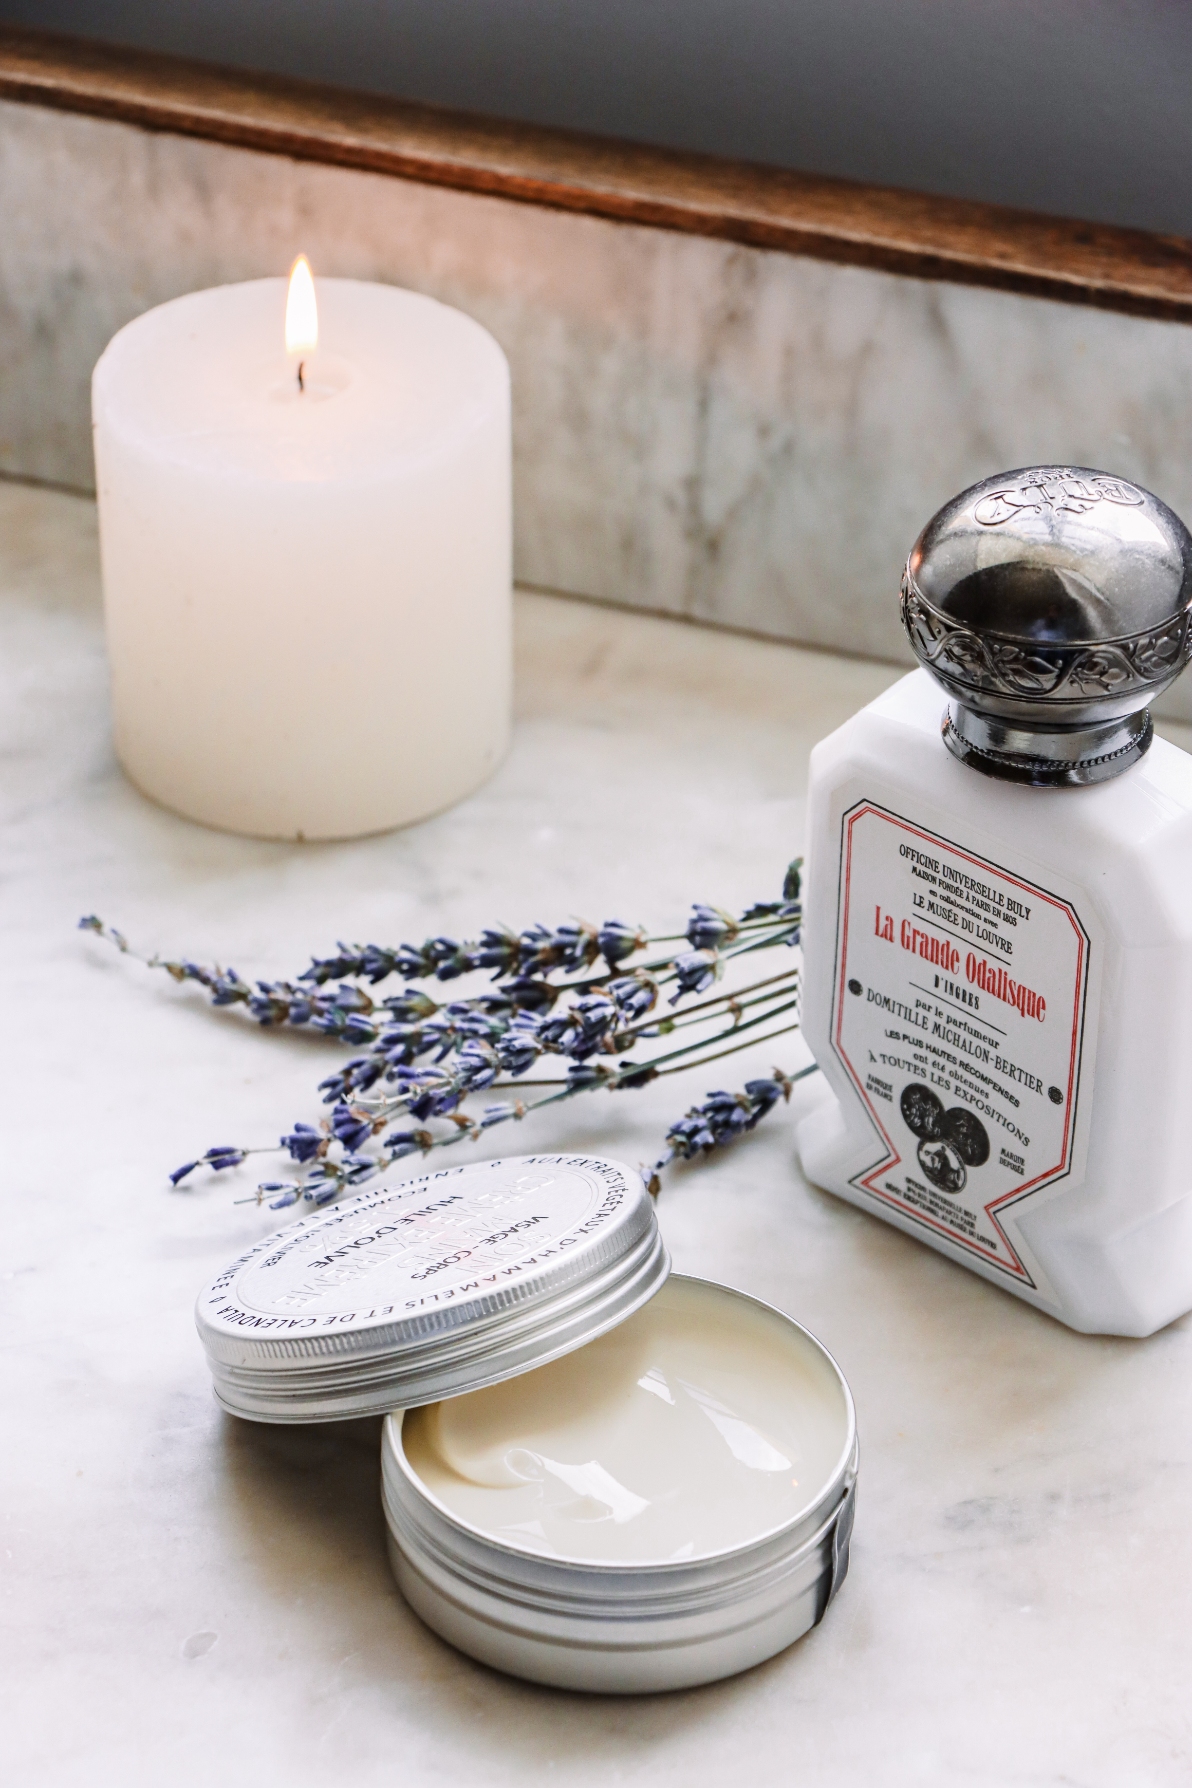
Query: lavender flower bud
column 533, row 949
column 265, row 1007
column 221, row 1158
column 471, row 1021
column 355, row 1169
column 401, row 1042
column 362, row 1072
column 449, row 958
column 583, row 1076
column 634, row 994
column 321, row 1188
column 530, row 995
column 500, row 1114
column 786, row 908
column 520, row 1047
column 496, row 1005
column 477, row 1065
column 188, row 971
column 581, row 1030
column 376, row 964
column 630, row 1077
column 331, row 968
column 350, row 1127
column 303, row 1142
column 227, row 989
column 709, row 927
column 576, row 946
column 428, row 1092
column 764, row 1094
column 400, row 1143
column 358, row 1029
column 616, row 940
column 217, row 1158
column 498, row 950
column 695, row 972
column 410, row 1006
column 289, row 1189
column 570, row 947
column 415, row 965
column 722, row 1117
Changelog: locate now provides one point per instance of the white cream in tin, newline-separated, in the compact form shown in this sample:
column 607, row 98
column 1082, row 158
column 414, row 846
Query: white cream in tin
column 699, row 1424
column 667, row 1502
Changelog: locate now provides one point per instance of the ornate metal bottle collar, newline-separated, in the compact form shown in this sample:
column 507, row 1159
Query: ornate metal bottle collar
column 1052, row 605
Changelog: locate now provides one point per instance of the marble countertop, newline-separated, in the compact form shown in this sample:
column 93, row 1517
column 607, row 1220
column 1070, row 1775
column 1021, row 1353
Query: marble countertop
column 189, row 1598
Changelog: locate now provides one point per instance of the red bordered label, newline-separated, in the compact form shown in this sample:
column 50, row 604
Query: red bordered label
column 959, row 1015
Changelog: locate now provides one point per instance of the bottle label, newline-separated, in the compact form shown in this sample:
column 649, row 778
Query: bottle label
column 959, row 1016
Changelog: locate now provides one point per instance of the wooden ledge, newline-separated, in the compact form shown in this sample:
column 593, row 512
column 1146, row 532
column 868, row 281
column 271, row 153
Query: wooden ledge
column 829, row 220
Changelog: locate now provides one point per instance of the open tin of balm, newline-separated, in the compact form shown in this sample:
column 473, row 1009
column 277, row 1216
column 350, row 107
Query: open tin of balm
column 598, row 1477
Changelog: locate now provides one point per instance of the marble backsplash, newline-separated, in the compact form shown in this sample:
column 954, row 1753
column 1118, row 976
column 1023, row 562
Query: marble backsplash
column 730, row 434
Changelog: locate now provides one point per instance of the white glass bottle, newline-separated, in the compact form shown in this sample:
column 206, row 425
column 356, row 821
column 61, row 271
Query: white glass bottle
column 998, row 943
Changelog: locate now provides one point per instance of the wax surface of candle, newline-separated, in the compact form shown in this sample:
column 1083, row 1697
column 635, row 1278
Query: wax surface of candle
column 306, row 582
column 697, row 1425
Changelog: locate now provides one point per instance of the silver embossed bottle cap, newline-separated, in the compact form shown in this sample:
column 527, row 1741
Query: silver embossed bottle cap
column 1052, row 604
column 406, row 1294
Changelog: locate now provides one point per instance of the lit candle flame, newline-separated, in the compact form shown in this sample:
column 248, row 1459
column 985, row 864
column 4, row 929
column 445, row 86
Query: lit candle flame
column 302, row 313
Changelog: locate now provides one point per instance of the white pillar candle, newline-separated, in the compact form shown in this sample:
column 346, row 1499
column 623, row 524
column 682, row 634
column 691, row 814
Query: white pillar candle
column 306, row 583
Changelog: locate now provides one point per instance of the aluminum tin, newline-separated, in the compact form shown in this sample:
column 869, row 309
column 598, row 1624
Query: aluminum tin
column 1052, row 604
column 621, row 1629
column 411, row 1293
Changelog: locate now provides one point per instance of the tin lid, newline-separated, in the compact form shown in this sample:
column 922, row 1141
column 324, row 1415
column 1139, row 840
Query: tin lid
column 1052, row 604
column 410, row 1293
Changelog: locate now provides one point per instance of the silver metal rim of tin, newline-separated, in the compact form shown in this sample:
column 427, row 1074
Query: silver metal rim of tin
column 1052, row 604
column 621, row 1629
column 410, row 1293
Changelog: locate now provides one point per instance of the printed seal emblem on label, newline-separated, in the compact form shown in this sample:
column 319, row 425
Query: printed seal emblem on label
column 959, row 1017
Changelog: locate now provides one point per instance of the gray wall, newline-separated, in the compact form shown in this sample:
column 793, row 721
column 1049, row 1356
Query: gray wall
column 735, row 435
column 1081, row 107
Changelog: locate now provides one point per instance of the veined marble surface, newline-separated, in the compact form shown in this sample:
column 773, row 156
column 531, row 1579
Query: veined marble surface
column 190, row 1599
column 728, row 433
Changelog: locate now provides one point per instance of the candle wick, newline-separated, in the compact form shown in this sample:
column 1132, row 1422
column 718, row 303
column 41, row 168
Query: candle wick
column 301, row 380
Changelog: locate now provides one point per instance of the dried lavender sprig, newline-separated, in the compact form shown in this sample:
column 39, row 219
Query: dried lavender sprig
column 532, row 987
column 217, row 1159
column 633, row 994
column 537, row 950
column 591, row 1025
column 270, row 1002
column 411, row 1024
column 351, row 1015
column 500, row 1033
column 330, row 1175
column 436, row 1091
column 439, row 1095
column 722, row 1118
